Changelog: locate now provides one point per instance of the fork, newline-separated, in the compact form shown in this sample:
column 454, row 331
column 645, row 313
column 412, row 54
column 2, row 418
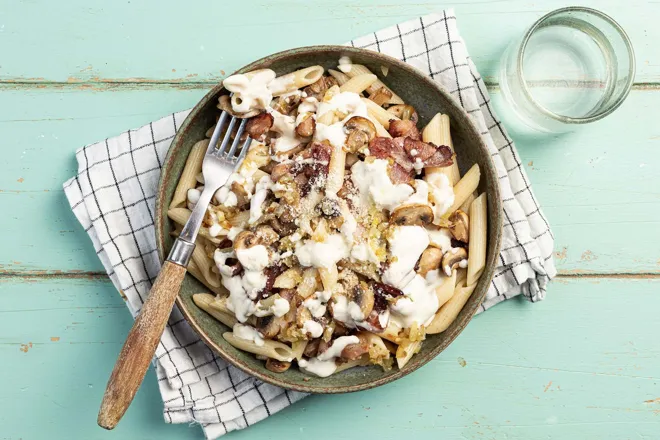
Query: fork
column 140, row 345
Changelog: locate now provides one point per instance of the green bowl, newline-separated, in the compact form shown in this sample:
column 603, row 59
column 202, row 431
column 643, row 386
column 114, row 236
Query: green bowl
column 428, row 98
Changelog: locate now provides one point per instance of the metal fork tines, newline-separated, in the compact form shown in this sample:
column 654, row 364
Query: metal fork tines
column 222, row 158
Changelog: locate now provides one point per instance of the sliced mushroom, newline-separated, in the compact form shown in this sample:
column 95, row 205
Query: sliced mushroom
column 417, row 215
column 312, row 348
column 234, row 265
column 353, row 351
column 381, row 96
column 460, row 226
column 317, row 89
column 405, row 112
column 306, row 127
column 266, row 235
column 403, row 128
column 224, row 103
column 245, row 240
column 430, row 260
column 452, row 259
column 363, row 296
column 351, row 159
column 270, row 326
column 242, row 196
column 286, row 104
column 277, row 366
column 259, row 125
column 360, row 132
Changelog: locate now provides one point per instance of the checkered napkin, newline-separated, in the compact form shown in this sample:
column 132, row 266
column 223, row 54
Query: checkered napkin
column 113, row 198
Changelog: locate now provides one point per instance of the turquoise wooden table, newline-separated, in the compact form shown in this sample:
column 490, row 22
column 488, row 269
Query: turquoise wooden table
column 584, row 364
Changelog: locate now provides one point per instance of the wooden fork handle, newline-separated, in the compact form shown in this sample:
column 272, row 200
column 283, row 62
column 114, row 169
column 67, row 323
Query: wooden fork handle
column 140, row 345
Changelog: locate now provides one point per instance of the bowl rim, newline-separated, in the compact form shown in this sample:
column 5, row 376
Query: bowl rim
column 487, row 275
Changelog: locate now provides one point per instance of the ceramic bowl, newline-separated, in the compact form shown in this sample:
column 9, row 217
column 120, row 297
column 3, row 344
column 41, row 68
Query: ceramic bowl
column 428, row 98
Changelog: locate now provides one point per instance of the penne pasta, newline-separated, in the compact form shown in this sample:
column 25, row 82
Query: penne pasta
column 405, row 351
column 359, row 83
column 204, row 301
column 181, row 215
column 336, row 168
column 438, row 131
column 270, row 348
column 380, row 130
column 295, row 80
column 477, row 245
column 465, row 207
column 360, row 362
column 444, row 293
column 379, row 113
column 188, row 177
column 448, row 312
column 341, row 77
column 359, row 69
column 205, row 264
column 298, row 347
column 464, row 188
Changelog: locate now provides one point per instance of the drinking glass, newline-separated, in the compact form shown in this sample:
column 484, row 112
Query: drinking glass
column 574, row 65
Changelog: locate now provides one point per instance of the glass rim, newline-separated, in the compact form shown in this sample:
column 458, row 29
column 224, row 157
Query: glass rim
column 567, row 119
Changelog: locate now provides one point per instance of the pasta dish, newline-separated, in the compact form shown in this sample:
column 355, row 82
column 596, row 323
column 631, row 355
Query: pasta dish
column 347, row 234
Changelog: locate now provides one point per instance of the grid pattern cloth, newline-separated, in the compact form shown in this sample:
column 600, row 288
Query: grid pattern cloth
column 113, row 197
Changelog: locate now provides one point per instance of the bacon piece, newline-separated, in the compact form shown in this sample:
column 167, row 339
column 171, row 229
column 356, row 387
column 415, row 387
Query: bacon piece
column 428, row 153
column 259, row 125
column 383, row 148
column 398, row 174
column 400, row 128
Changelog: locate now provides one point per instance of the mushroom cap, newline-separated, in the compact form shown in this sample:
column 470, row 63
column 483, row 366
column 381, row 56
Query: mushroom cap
column 460, row 226
column 452, row 258
column 360, row 132
column 430, row 260
column 277, row 366
column 405, row 112
column 416, row 214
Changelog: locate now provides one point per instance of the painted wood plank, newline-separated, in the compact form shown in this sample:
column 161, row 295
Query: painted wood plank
column 598, row 186
column 584, row 363
column 146, row 40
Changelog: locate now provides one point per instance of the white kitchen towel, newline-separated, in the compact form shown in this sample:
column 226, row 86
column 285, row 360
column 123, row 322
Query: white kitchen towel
column 113, row 198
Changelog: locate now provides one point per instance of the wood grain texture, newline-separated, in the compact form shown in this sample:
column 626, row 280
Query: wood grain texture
column 582, row 364
column 119, row 43
column 585, row 361
column 140, row 346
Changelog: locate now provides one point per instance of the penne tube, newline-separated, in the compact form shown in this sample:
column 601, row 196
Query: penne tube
column 462, row 190
column 308, row 284
column 405, row 351
column 359, row 362
column 359, row 83
column 444, row 291
column 359, row 69
column 295, row 80
column 205, row 264
column 181, row 215
column 380, row 130
column 204, row 301
column 194, row 271
column 465, row 207
column 391, row 333
column 448, row 313
column 379, row 113
column 272, row 349
column 298, row 347
column 188, row 177
column 341, row 77
column 335, row 179
column 220, row 304
column 477, row 244
column 327, row 118
column 438, row 131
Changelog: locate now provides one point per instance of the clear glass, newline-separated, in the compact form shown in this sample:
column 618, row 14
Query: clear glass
column 573, row 66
